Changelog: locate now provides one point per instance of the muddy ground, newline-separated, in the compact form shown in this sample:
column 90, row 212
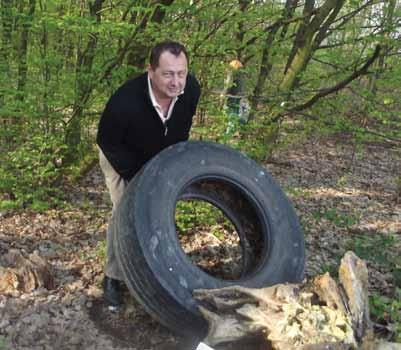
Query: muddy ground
column 346, row 198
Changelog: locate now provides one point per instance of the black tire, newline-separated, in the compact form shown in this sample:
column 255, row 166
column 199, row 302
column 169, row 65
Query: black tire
column 156, row 269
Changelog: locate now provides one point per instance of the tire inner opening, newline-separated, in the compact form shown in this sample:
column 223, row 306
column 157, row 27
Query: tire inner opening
column 219, row 229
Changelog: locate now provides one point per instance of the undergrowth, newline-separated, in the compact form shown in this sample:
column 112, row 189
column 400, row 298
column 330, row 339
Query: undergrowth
column 383, row 251
column 197, row 215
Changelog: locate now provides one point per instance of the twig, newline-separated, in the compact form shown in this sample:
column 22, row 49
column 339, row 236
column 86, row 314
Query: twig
column 340, row 85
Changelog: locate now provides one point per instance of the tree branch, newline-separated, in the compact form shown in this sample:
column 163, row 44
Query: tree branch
column 340, row 85
column 393, row 141
column 342, row 43
column 344, row 19
column 279, row 22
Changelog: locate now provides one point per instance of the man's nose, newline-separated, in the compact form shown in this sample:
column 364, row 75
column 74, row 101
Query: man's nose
column 175, row 79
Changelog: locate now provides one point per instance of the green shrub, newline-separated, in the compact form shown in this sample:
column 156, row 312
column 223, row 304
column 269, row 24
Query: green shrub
column 29, row 172
column 199, row 215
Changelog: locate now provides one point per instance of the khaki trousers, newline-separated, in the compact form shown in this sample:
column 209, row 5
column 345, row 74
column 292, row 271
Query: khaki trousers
column 116, row 186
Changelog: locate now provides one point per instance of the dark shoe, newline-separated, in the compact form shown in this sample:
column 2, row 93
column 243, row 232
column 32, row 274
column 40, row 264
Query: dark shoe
column 112, row 291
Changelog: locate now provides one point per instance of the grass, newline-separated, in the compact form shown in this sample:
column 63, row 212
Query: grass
column 337, row 218
column 386, row 310
column 100, row 250
column 381, row 250
column 332, row 269
column 377, row 248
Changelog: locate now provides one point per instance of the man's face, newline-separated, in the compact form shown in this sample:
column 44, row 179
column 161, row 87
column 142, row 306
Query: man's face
column 168, row 79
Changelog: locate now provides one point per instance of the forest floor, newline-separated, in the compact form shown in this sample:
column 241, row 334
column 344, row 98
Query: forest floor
column 346, row 199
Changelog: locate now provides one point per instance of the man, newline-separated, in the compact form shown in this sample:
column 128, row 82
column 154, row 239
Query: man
column 144, row 116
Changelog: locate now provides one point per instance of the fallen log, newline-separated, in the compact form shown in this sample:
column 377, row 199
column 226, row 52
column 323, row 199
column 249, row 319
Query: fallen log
column 316, row 315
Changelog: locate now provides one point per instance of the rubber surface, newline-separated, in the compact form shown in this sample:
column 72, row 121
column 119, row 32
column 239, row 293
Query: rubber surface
column 158, row 272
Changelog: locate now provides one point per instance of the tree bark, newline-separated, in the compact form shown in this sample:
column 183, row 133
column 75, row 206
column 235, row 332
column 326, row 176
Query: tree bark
column 266, row 64
column 5, row 76
column 5, row 48
column 313, row 29
column 316, row 315
column 388, row 22
column 19, row 272
column 23, row 50
column 46, row 73
column 84, row 86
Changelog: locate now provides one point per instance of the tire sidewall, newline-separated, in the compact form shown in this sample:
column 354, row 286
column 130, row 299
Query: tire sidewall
column 154, row 196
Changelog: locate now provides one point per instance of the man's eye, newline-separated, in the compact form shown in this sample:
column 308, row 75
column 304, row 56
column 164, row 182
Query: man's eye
column 167, row 74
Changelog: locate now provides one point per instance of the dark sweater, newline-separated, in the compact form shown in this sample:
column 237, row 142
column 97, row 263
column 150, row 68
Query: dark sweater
column 130, row 130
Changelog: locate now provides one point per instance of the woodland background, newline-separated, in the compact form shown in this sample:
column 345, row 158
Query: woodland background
column 309, row 67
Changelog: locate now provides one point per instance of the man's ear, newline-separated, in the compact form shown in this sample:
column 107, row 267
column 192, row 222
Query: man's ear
column 150, row 71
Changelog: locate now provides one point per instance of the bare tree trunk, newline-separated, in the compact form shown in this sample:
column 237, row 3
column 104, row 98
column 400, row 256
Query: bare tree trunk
column 5, row 50
column 46, row 68
column 264, row 70
column 307, row 39
column 23, row 50
column 388, row 21
column 240, row 33
column 271, row 134
column 84, row 86
column 266, row 64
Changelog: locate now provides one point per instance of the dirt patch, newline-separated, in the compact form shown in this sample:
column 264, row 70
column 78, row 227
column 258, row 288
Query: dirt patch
column 210, row 240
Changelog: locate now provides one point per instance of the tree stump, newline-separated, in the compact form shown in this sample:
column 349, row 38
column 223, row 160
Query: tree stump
column 320, row 314
column 23, row 273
